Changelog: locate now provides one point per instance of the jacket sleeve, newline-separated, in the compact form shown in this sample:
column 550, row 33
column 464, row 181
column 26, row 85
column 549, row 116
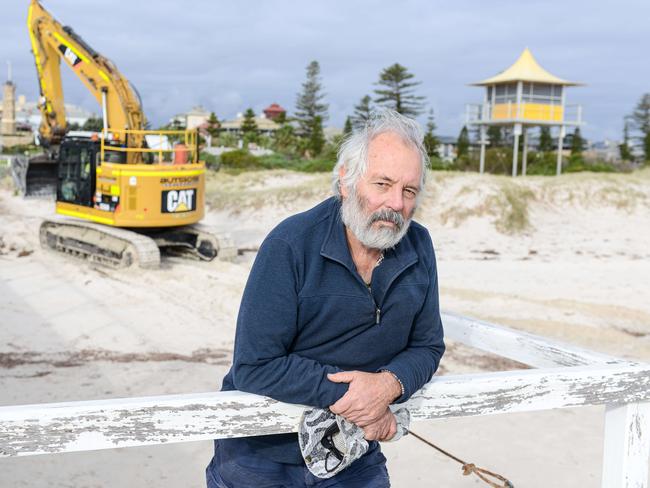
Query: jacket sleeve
column 416, row 364
column 267, row 326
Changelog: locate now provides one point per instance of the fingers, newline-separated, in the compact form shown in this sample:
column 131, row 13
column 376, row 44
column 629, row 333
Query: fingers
column 343, row 406
column 383, row 429
column 365, row 401
column 392, row 429
column 342, row 377
column 371, row 433
column 359, row 416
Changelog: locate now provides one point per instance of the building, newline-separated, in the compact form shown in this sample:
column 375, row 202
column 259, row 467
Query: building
column 447, row 148
column 196, row 117
column 274, row 111
column 8, row 120
column 265, row 126
column 11, row 132
column 521, row 97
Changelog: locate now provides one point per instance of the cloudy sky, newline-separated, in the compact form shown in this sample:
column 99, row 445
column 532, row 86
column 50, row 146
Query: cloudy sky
column 228, row 56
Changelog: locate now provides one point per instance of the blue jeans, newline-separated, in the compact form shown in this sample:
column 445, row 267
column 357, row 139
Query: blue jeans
column 247, row 469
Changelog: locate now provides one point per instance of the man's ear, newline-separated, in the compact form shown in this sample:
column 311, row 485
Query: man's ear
column 342, row 188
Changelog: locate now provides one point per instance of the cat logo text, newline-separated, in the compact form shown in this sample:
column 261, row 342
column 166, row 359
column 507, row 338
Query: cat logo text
column 176, row 201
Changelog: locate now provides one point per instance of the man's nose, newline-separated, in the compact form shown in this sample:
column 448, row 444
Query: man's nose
column 396, row 199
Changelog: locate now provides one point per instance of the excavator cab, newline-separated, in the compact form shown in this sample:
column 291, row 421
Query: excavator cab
column 76, row 171
column 79, row 157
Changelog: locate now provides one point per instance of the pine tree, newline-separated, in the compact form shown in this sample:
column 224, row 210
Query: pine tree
column 347, row 128
column 362, row 112
column 577, row 143
column 431, row 142
column 462, row 145
column 249, row 126
column 398, row 92
column 317, row 137
column 641, row 123
column 545, row 141
column 624, row 148
column 495, row 136
column 213, row 125
column 309, row 103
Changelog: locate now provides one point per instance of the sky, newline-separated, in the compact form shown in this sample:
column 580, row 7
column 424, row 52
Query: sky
column 229, row 56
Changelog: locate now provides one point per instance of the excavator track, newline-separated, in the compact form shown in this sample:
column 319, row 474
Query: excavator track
column 108, row 246
column 121, row 248
column 197, row 240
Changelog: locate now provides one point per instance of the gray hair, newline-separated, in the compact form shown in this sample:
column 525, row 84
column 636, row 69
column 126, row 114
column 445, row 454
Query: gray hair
column 353, row 153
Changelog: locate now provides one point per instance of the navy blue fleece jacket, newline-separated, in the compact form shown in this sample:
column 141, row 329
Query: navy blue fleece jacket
column 306, row 312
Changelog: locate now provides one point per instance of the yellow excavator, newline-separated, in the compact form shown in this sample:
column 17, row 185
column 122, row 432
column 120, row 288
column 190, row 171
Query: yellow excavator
column 129, row 191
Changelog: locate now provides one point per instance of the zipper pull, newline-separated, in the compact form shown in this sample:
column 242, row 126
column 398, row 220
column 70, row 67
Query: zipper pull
column 377, row 315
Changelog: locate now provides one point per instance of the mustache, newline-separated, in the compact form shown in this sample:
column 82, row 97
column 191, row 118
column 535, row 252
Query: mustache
column 388, row 215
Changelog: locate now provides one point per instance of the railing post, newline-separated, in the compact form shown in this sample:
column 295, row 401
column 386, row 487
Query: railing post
column 627, row 446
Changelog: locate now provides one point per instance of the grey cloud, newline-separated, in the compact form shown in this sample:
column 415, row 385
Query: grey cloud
column 232, row 55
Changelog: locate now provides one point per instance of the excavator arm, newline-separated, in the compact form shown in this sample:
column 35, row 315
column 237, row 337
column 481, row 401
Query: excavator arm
column 52, row 42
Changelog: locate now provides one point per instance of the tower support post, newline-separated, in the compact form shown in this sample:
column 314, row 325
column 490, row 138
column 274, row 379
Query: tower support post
column 515, row 149
column 524, row 155
column 560, row 140
column 483, row 143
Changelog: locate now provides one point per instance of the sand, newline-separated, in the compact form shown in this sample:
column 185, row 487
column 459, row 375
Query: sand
column 567, row 258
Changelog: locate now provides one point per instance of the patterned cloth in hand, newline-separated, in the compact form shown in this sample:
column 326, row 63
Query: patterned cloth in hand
column 329, row 443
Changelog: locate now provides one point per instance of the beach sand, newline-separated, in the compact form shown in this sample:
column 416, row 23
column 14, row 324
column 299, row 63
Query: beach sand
column 567, row 258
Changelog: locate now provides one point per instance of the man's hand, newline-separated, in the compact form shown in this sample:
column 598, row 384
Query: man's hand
column 368, row 396
column 383, row 429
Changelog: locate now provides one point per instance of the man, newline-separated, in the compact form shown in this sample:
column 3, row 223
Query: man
column 340, row 311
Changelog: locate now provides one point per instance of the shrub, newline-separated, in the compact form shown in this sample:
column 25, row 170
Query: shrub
column 438, row 164
column 320, row 165
column 542, row 163
column 211, row 161
column 577, row 164
column 239, row 159
column 497, row 161
column 275, row 161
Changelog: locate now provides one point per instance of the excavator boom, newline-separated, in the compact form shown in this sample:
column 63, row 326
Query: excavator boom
column 121, row 106
column 51, row 43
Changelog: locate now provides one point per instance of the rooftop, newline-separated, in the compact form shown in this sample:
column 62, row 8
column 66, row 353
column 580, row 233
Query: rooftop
column 526, row 68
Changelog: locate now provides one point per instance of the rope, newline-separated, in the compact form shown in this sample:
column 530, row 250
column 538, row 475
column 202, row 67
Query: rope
column 469, row 468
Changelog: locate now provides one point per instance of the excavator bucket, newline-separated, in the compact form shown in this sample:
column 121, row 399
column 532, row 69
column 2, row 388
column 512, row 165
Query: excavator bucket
column 34, row 177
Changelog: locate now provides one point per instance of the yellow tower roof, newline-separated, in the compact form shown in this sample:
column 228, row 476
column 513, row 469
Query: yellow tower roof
column 526, row 68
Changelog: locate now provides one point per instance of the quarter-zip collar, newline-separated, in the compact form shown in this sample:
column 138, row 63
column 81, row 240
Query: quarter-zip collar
column 396, row 260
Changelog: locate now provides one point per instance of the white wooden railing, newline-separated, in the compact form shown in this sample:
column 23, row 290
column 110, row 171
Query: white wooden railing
column 561, row 376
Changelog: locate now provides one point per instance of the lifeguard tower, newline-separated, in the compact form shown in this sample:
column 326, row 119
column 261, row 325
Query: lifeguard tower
column 523, row 96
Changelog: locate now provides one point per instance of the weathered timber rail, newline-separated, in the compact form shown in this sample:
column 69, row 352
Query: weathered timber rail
column 562, row 376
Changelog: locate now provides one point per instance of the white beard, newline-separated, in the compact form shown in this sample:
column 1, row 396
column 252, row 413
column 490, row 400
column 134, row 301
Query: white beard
column 354, row 216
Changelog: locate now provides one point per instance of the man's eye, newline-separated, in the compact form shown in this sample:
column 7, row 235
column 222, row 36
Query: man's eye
column 410, row 193
column 381, row 184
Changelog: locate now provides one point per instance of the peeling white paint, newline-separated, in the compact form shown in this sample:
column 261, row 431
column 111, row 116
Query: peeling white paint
column 627, row 445
column 529, row 349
